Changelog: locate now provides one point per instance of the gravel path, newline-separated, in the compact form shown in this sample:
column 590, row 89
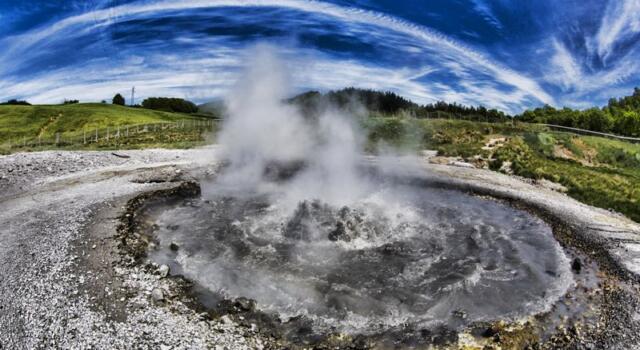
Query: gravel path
column 63, row 284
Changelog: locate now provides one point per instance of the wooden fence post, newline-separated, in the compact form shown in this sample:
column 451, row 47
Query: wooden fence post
column 57, row 138
column 96, row 140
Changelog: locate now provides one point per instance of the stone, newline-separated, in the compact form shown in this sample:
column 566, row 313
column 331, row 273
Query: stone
column 163, row 270
column 462, row 164
column 339, row 233
column 245, row 304
column 157, row 294
column 576, row 265
column 174, row 247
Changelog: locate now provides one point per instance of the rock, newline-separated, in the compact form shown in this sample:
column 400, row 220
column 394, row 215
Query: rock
column 226, row 320
column 552, row 185
column 462, row 164
column 157, row 294
column 163, row 270
column 576, row 265
column 439, row 160
column 174, row 247
column 339, row 233
column 490, row 332
column 429, row 154
column 460, row 314
column 506, row 168
column 245, row 304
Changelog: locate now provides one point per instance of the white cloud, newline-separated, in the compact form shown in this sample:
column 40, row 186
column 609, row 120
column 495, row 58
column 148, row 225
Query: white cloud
column 564, row 70
column 447, row 48
column 620, row 21
column 487, row 13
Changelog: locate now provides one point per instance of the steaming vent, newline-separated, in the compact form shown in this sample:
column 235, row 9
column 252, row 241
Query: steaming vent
column 294, row 223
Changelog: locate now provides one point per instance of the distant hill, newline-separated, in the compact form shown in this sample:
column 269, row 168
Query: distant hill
column 389, row 103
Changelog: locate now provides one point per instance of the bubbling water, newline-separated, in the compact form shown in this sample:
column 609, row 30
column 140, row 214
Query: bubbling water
column 403, row 254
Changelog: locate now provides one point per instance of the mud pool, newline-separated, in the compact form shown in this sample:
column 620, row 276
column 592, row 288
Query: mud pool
column 405, row 254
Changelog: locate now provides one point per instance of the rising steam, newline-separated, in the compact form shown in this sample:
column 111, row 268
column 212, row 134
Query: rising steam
column 339, row 247
column 262, row 130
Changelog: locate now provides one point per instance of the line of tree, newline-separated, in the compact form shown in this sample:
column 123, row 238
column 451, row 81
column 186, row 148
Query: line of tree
column 391, row 103
column 16, row 103
column 620, row 116
column 168, row 104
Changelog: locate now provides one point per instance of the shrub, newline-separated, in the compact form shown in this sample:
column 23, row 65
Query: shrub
column 170, row 105
column 118, row 100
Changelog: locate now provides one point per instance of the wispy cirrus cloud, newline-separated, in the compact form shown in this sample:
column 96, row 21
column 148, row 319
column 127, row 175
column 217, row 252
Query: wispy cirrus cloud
column 485, row 10
column 620, row 24
column 193, row 48
column 437, row 47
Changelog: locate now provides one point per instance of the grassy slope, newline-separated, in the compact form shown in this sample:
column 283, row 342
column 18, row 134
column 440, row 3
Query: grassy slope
column 596, row 171
column 18, row 122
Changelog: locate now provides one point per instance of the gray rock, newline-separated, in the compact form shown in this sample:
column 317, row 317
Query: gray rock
column 163, row 270
column 157, row 294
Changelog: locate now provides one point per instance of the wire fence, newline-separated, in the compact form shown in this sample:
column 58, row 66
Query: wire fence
column 592, row 133
column 117, row 135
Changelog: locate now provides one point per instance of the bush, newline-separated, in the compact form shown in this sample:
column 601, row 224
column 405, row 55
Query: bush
column 170, row 105
column 118, row 100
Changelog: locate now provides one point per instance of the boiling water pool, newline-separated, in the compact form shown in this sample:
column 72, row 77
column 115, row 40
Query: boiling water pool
column 405, row 254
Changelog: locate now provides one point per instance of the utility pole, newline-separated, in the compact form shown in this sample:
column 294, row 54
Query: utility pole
column 133, row 95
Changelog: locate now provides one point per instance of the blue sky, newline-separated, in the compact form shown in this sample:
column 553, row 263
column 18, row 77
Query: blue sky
column 507, row 54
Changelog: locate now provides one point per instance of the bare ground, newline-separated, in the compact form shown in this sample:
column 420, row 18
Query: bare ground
column 65, row 284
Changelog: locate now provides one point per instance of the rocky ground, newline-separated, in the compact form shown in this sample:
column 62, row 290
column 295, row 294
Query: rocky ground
column 65, row 283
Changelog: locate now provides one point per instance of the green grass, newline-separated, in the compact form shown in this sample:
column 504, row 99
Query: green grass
column 30, row 123
column 597, row 171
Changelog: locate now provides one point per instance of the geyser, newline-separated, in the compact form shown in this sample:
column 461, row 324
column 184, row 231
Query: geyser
column 339, row 244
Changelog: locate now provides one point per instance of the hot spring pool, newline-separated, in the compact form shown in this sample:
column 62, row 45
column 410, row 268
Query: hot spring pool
column 405, row 254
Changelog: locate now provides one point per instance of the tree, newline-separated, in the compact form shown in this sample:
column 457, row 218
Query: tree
column 170, row 104
column 118, row 100
column 16, row 103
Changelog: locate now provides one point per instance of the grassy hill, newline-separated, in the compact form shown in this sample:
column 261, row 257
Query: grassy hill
column 20, row 123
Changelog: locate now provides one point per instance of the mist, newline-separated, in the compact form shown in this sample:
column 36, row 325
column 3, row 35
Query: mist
column 261, row 131
column 295, row 222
